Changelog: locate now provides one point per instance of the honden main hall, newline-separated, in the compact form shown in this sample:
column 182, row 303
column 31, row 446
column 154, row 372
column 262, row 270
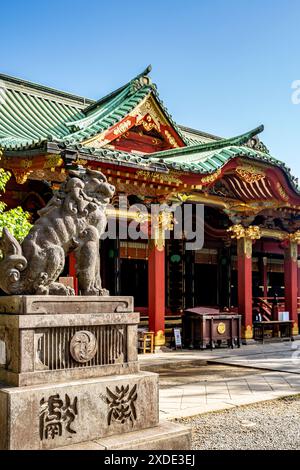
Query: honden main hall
column 251, row 200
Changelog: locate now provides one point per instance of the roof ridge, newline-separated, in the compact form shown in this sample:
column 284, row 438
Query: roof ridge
column 199, row 132
column 202, row 147
column 43, row 88
column 112, row 94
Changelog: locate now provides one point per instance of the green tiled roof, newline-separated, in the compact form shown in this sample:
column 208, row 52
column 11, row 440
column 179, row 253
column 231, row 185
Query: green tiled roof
column 31, row 114
column 206, row 158
column 194, row 136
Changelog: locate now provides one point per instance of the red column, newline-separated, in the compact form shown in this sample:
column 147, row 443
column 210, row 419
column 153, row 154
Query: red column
column 298, row 274
column 291, row 283
column 244, row 266
column 156, row 291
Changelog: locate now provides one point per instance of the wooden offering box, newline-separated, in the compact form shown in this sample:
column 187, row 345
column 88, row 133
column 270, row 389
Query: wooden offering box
column 206, row 327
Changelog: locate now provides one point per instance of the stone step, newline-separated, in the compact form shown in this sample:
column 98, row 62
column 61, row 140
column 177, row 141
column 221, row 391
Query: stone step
column 165, row 436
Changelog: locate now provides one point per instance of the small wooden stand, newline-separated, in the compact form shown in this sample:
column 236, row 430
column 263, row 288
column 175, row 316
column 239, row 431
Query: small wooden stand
column 146, row 342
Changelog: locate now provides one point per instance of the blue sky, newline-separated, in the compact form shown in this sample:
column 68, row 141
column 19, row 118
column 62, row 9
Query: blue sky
column 222, row 66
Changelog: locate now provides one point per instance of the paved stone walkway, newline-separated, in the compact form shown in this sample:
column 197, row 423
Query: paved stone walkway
column 189, row 387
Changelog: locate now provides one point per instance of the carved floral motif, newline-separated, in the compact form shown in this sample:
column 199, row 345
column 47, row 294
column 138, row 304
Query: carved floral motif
column 250, row 173
column 211, row 178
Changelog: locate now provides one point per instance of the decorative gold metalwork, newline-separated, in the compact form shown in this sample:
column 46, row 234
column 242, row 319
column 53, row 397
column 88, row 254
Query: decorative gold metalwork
column 26, row 163
column 247, row 247
column 80, row 162
column 244, row 247
column 294, row 251
column 171, row 139
column 158, row 176
column 166, row 220
column 211, row 178
column 295, row 330
column 122, row 127
column 53, row 161
column 159, row 339
column 182, row 197
column 148, row 106
column 253, row 232
column 148, row 124
column 159, row 224
column 221, row 328
column 97, row 141
column 272, row 233
column 250, row 173
column 247, row 333
column 282, row 192
column 295, row 237
column 21, row 176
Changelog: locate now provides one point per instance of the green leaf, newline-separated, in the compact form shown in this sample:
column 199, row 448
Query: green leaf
column 15, row 220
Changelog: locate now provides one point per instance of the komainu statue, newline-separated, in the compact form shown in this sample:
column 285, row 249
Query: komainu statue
column 73, row 220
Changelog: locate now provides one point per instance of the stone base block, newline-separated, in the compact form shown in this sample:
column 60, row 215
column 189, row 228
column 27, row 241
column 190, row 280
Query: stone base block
column 46, row 339
column 55, row 415
column 165, row 436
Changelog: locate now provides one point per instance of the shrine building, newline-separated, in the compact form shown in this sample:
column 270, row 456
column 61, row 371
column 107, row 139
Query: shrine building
column 251, row 200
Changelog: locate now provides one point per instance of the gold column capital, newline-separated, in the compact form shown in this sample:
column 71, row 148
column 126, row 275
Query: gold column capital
column 160, row 223
column 238, row 231
column 294, row 237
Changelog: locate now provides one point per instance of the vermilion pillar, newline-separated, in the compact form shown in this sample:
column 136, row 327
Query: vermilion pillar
column 291, row 282
column 244, row 267
column 156, row 291
column 298, row 278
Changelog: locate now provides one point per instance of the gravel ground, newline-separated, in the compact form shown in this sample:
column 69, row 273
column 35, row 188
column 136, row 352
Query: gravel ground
column 272, row 425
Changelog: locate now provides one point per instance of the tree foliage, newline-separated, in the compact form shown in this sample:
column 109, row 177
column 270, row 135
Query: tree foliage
column 15, row 220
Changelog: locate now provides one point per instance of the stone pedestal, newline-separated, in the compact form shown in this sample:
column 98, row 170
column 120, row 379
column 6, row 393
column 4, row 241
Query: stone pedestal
column 70, row 377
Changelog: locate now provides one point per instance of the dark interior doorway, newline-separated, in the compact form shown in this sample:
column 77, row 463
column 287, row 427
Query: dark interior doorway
column 276, row 281
column 134, row 280
column 206, row 285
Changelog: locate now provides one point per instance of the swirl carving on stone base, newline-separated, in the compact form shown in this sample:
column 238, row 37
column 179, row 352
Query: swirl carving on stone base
column 83, row 346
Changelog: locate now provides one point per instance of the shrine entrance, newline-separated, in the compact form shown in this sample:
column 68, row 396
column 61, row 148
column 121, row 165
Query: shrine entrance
column 206, row 285
column 134, row 280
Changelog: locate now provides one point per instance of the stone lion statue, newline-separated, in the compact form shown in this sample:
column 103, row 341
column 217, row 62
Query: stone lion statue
column 73, row 220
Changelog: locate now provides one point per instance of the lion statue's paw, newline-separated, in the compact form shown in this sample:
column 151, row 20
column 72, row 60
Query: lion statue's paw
column 56, row 288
